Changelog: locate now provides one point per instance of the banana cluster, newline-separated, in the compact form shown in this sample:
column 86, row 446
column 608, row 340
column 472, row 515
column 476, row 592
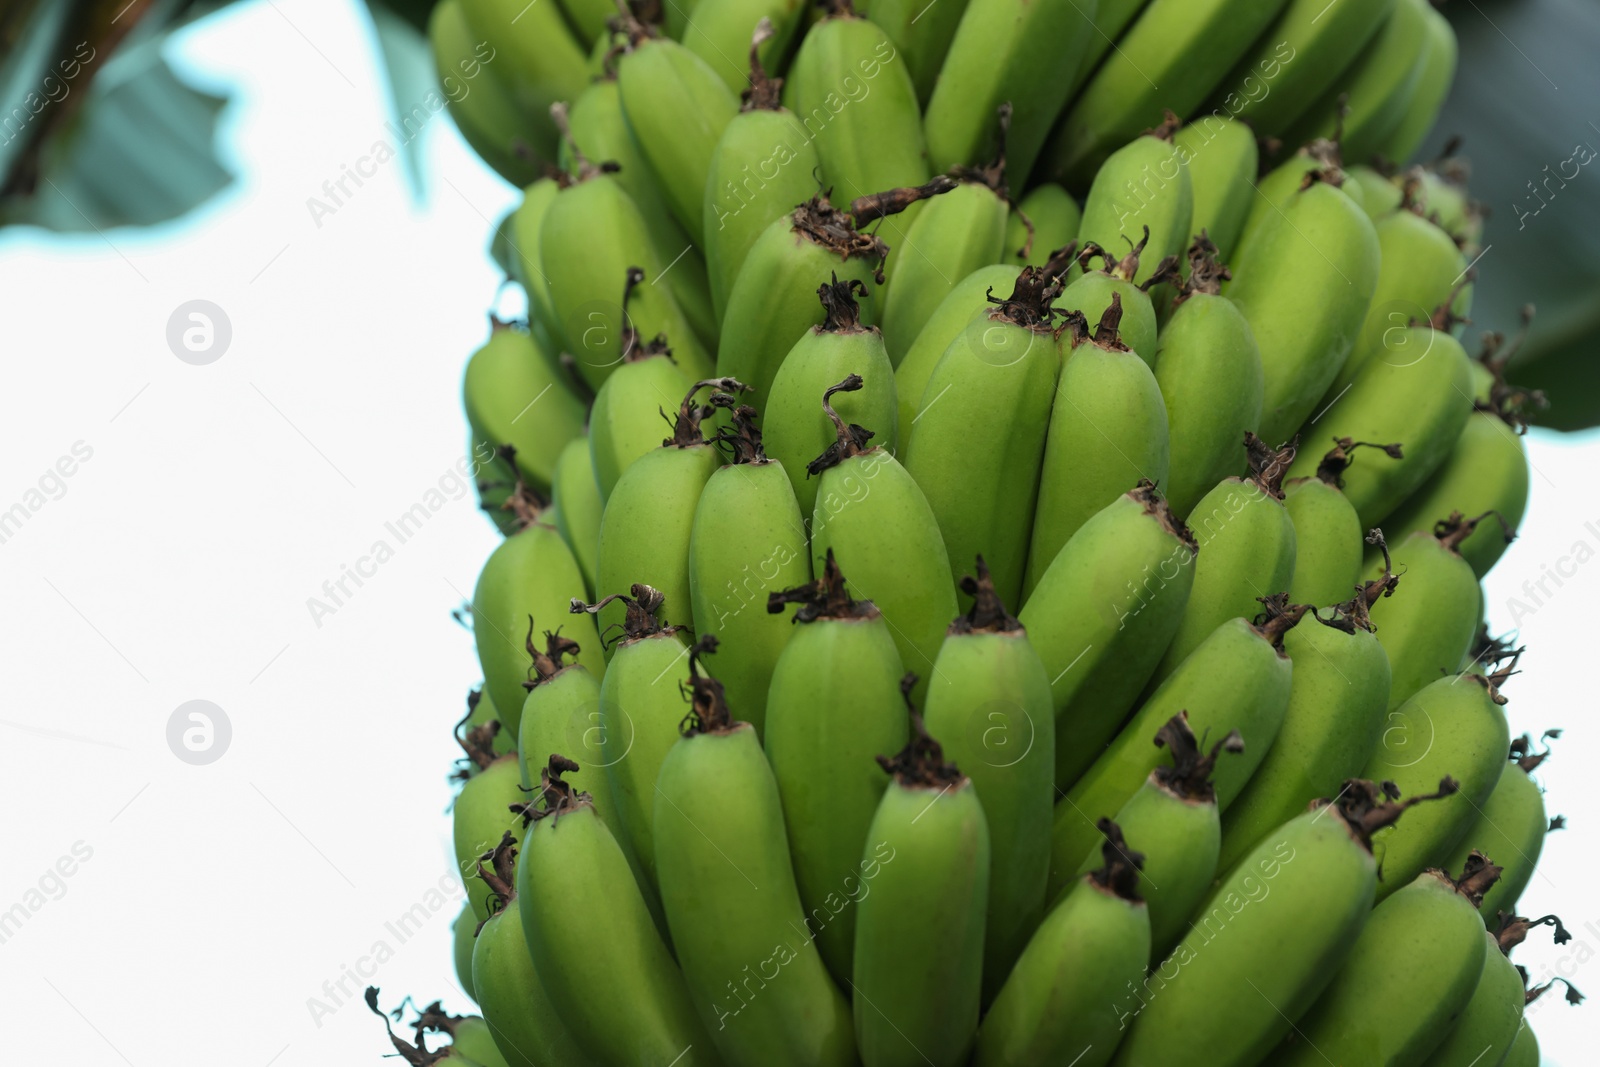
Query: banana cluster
column 995, row 506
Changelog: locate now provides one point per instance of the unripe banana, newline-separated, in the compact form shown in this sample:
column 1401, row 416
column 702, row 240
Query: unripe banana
column 1418, row 392
column 593, row 942
column 989, row 698
column 1171, row 58
column 589, row 18
column 950, row 238
column 523, row 228
column 1427, row 632
column 1524, row 1050
column 1367, row 101
column 1488, row 1027
column 1439, row 191
column 531, row 575
column 1303, row 280
column 921, row 35
column 1433, row 85
column 1221, row 157
column 1107, row 431
column 975, row 447
column 1379, row 195
column 1238, row 679
column 1209, row 372
column 1014, row 52
column 1453, row 727
column 1175, row 811
column 764, row 164
column 1327, row 530
column 504, row 379
column 1286, row 918
column 1337, row 702
column 677, row 106
column 956, row 312
column 1102, row 614
column 876, row 520
column 1053, row 1005
column 835, row 702
column 1142, row 184
column 463, row 933
column 748, row 540
column 918, row 970
column 719, row 33
column 1411, row 973
column 1277, row 187
column 575, row 498
column 649, row 519
column 508, row 130
column 1247, row 551
column 1092, row 292
column 797, row 431
column 526, row 1026
column 1045, row 220
column 480, row 814
column 1513, row 823
column 1111, row 17
column 1321, row 43
column 728, row 886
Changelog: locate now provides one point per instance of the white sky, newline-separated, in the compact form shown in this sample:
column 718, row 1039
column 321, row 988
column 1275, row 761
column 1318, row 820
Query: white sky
column 177, row 563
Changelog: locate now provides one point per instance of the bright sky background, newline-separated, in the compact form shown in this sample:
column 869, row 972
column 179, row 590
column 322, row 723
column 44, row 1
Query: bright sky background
column 176, row 566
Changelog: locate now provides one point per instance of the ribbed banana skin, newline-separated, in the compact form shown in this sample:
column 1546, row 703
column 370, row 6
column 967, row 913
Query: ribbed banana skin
column 1236, row 680
column 1510, row 830
column 1221, row 157
column 1020, row 52
column 1410, row 975
column 1337, row 703
column 1055, row 218
column 1053, row 1006
column 728, row 887
column 1208, row 370
column 534, row 55
column 1111, row 17
column 955, row 313
column 720, row 31
column 596, row 933
column 491, row 118
column 1304, row 280
column 921, row 33
column 916, row 998
column 1438, row 72
column 1276, row 188
column 1142, row 183
column 479, row 817
column 1488, row 1025
column 625, row 421
column 1133, row 568
column 575, row 498
column 527, row 1029
column 1283, row 920
column 1327, row 543
column 1450, row 727
column 835, row 704
column 505, row 376
column 1172, row 56
column 1428, row 624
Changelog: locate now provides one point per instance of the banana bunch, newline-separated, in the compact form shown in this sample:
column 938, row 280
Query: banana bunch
column 933, row 608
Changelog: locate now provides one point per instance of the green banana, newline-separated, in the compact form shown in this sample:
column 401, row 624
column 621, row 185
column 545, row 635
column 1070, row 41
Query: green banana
column 1282, row 921
column 1433, row 85
column 921, row 34
column 1005, row 52
column 464, row 932
column 1142, row 184
column 589, row 18
column 762, row 167
column 989, row 698
column 575, row 498
column 1420, row 268
column 1303, row 280
column 918, row 969
column 1512, row 824
column 1092, row 292
column 593, row 942
column 1379, row 195
column 490, row 115
column 677, row 106
column 1107, row 431
column 796, row 431
column 1238, row 679
column 1524, row 1050
column 543, row 61
column 1111, row 17
column 1439, row 190
column 1337, row 701
column 1409, row 975
column 479, row 812
column 1096, row 938
column 1327, row 530
column 1175, row 814
column 975, row 446
column 1322, row 41
column 1247, row 550
column 871, row 513
column 728, row 886
column 951, row 237
column 1428, row 632
column 1367, row 100
column 1043, row 221
column 955, row 313
column 1171, row 58
column 719, row 34
column 1457, row 724
column 1209, row 372
column 471, row 1036
column 531, row 575
column 1278, row 186
column 835, row 703
column 523, row 229
column 648, row 524
column 504, row 380
column 1418, row 392
column 526, row 1026
column 1488, row 1027
column 748, row 538
column 1102, row 614
column 1221, row 157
